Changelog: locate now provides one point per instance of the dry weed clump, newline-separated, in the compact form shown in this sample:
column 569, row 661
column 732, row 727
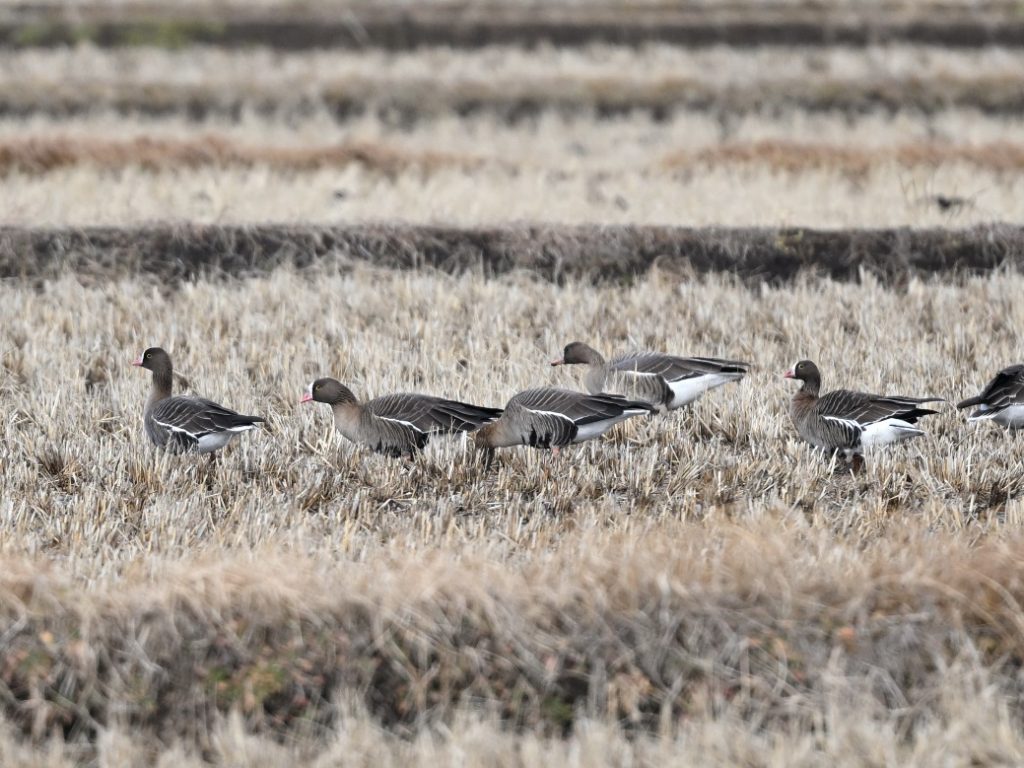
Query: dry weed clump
column 658, row 630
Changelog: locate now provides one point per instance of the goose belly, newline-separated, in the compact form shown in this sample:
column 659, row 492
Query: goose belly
column 888, row 431
column 685, row 391
column 598, row 428
column 214, row 441
column 1011, row 417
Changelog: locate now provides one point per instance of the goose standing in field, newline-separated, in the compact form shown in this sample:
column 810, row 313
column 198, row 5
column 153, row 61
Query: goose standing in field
column 851, row 421
column 552, row 418
column 665, row 381
column 396, row 425
column 1002, row 400
column 180, row 424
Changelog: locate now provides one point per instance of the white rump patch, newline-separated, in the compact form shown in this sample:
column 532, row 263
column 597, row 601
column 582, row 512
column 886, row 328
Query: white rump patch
column 888, row 431
column 598, row 428
column 217, row 440
column 685, row 391
column 1011, row 417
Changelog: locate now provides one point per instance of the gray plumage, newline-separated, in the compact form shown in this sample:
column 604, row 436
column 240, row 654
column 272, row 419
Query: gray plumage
column 849, row 421
column 1002, row 400
column 552, row 418
column 181, row 424
column 399, row 424
column 667, row 381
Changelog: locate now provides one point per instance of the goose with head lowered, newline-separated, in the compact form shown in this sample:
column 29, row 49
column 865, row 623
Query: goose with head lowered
column 1002, row 400
column 396, row 425
column 849, row 422
column 180, row 424
column 553, row 418
column 665, row 381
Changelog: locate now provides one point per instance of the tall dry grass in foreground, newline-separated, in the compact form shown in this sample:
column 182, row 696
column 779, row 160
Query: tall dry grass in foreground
column 701, row 578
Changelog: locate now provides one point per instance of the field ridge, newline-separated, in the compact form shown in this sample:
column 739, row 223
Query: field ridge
column 404, row 26
column 555, row 253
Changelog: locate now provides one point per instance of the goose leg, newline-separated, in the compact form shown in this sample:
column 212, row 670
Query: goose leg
column 488, row 459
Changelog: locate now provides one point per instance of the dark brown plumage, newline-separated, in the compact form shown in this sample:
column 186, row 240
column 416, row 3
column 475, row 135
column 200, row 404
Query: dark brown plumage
column 849, row 421
column 180, row 424
column 666, row 381
column 399, row 424
column 1002, row 400
column 552, row 418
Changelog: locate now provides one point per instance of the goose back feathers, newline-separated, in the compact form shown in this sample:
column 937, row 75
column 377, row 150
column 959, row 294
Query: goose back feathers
column 1002, row 400
column 666, row 381
column 399, row 424
column 551, row 418
column 850, row 421
column 180, row 424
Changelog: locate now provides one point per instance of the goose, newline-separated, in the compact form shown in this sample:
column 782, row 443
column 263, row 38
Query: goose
column 665, row 381
column 849, row 421
column 1002, row 400
column 552, row 418
column 396, row 425
column 180, row 424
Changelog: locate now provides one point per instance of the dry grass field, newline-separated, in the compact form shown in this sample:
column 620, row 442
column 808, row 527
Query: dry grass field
column 408, row 214
column 821, row 137
column 702, row 566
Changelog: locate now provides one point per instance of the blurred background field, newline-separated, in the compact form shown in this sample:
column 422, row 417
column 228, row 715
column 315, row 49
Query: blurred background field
column 437, row 197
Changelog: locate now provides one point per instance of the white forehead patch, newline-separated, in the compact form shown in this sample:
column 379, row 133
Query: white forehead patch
column 309, row 389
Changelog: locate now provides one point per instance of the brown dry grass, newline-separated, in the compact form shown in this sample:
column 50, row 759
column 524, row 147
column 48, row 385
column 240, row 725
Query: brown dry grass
column 691, row 575
column 37, row 155
column 42, row 155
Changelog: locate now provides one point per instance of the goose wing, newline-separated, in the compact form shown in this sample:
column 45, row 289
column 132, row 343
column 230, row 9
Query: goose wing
column 578, row 407
column 196, row 417
column 1005, row 389
column 673, row 368
column 432, row 414
column 864, row 409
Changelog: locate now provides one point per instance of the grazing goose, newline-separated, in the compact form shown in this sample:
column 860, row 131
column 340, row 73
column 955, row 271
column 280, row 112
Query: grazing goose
column 180, row 424
column 851, row 421
column 396, row 425
column 665, row 381
column 551, row 418
column 1002, row 400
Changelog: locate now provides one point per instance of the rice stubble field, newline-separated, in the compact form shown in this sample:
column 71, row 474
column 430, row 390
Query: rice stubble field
column 697, row 587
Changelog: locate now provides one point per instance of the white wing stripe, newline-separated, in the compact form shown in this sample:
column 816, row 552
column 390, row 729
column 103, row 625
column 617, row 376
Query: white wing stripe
column 556, row 414
column 175, row 428
column 197, row 435
column 402, row 422
column 845, row 422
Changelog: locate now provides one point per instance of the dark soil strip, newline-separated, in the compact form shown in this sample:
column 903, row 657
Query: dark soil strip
column 403, row 107
column 616, row 254
column 410, row 26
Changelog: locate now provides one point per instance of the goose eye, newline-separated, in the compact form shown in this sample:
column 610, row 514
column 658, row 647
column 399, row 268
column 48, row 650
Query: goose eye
column 318, row 386
column 149, row 355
